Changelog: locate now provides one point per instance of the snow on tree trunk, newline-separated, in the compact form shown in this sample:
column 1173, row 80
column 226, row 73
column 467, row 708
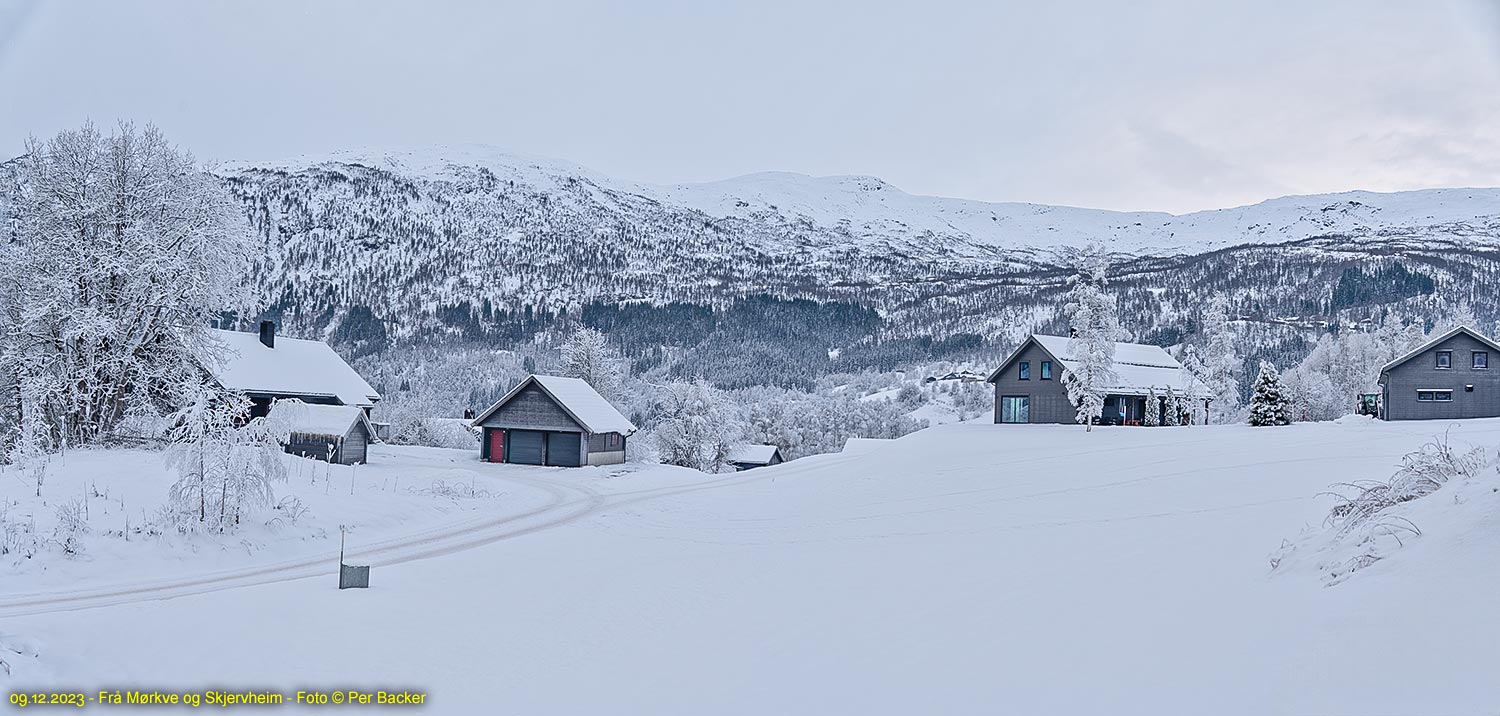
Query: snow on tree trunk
column 1092, row 315
column 123, row 252
column 225, row 464
column 1268, row 403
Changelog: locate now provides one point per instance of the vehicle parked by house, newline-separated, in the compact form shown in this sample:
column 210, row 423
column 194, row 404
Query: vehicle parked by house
column 551, row 420
column 1029, row 386
column 1446, row 378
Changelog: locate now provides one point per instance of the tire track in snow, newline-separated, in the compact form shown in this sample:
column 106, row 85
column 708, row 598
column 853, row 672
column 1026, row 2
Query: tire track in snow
column 566, row 504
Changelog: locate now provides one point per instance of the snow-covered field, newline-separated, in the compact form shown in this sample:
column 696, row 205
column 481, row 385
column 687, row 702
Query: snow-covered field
column 968, row 568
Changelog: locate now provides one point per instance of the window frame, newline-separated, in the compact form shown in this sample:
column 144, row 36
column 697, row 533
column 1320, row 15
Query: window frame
column 1438, row 360
column 1023, row 370
column 1433, row 395
column 1022, row 402
column 1474, row 360
column 1046, row 370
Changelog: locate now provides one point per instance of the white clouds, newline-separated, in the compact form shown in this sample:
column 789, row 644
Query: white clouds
column 1159, row 105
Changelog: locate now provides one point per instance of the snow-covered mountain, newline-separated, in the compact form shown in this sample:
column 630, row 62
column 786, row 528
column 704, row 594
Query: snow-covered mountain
column 382, row 248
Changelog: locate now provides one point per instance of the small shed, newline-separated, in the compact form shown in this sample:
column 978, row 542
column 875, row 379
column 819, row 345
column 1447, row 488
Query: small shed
column 749, row 457
column 551, row 420
column 317, row 428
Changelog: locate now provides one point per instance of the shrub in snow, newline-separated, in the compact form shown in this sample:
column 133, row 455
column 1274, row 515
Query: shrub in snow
column 113, row 269
column 225, row 469
column 453, row 491
column 1364, row 520
column 1268, row 403
column 71, row 525
column 1171, row 408
column 1093, row 317
column 17, row 536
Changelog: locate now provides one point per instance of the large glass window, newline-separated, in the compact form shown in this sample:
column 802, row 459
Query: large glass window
column 1025, row 370
column 1046, row 370
column 1445, row 359
column 1015, row 409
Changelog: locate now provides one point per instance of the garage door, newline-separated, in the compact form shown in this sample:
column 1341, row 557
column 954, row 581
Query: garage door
column 525, row 447
column 563, row 449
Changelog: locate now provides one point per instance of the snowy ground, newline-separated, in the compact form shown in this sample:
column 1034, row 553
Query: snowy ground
column 967, row 568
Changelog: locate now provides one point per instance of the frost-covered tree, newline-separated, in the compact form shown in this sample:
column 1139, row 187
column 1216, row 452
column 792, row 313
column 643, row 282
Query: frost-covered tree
column 1171, row 408
column 1268, row 402
column 225, row 465
column 586, row 355
column 122, row 252
column 694, row 425
column 1152, row 418
column 1216, row 364
column 1093, row 318
column 1343, row 365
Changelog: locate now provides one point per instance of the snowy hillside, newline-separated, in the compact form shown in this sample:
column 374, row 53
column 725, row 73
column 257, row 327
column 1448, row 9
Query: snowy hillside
column 963, row 569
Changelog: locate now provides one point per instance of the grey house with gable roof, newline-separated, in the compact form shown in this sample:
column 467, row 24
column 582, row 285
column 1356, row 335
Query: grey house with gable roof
column 1446, row 378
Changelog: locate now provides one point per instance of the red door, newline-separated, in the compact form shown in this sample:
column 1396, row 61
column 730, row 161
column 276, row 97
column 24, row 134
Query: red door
column 497, row 446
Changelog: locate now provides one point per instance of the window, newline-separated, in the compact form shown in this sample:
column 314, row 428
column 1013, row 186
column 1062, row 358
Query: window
column 1481, row 359
column 1424, row 396
column 1435, row 396
column 1046, row 370
column 1025, row 370
column 1445, row 359
column 1015, row 409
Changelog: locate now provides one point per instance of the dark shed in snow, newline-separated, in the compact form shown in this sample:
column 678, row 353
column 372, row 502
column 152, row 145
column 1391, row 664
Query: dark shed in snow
column 318, row 429
column 550, row 420
column 749, row 457
column 1446, row 378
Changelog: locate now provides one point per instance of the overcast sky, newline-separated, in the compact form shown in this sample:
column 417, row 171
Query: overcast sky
column 1127, row 105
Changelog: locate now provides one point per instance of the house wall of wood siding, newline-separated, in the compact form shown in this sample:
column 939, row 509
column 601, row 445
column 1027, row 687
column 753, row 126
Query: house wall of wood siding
column 1049, row 399
column 1401, row 384
column 532, row 409
column 599, row 452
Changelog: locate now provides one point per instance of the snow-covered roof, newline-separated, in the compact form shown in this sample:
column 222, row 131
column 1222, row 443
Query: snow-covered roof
column 754, row 454
column 860, row 446
column 577, row 398
column 1429, row 345
column 1139, row 368
column 308, row 419
column 295, row 367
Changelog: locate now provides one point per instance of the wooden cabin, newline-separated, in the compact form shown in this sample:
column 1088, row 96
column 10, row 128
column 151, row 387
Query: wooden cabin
column 551, row 420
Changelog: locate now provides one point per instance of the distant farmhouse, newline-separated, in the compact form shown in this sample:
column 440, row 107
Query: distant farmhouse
column 266, row 368
column 336, row 433
column 1029, row 389
column 749, row 457
column 550, row 420
column 1447, row 377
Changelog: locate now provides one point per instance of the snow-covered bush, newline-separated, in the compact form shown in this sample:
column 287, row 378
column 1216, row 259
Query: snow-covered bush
column 71, row 525
column 972, row 399
column 1364, row 525
column 437, row 432
column 1268, row 403
column 1341, row 366
column 453, row 491
column 17, row 536
column 803, row 424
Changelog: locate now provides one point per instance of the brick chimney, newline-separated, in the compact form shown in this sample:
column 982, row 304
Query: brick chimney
column 268, row 333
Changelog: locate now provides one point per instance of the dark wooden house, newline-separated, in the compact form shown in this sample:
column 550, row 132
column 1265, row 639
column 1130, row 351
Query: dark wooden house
column 550, row 420
column 266, row 367
column 1029, row 386
column 1446, row 378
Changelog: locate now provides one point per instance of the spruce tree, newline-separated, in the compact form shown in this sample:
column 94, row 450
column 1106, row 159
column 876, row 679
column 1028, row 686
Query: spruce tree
column 1152, row 418
column 1269, row 404
column 1170, row 408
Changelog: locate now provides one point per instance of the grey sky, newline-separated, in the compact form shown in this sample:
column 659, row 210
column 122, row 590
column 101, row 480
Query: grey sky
column 1128, row 105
